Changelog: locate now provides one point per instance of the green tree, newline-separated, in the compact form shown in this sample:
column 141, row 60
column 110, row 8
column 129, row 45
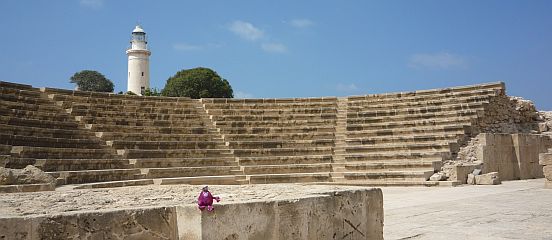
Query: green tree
column 198, row 83
column 152, row 92
column 88, row 80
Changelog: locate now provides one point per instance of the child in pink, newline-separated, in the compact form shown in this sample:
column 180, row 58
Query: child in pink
column 205, row 199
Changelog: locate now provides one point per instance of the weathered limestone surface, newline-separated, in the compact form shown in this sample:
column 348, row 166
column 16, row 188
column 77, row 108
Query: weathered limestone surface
column 346, row 214
column 343, row 215
column 513, row 156
column 545, row 159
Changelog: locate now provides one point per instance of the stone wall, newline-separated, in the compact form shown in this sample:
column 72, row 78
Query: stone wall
column 355, row 214
column 545, row 159
column 506, row 114
column 514, row 156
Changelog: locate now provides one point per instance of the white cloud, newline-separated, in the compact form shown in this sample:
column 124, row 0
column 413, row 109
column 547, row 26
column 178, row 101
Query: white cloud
column 92, row 3
column 301, row 23
column 240, row 94
column 195, row 47
column 187, row 47
column 274, row 47
column 246, row 30
column 441, row 60
column 346, row 87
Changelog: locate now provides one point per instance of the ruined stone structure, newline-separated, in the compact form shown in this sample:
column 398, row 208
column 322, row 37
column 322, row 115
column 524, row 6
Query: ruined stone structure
column 105, row 140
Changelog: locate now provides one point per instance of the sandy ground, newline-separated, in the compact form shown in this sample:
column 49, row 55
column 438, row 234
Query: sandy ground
column 24, row 204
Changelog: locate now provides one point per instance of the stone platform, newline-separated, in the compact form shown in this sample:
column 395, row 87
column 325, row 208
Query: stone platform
column 284, row 211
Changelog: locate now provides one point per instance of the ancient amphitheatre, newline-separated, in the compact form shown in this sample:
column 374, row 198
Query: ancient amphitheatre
column 93, row 143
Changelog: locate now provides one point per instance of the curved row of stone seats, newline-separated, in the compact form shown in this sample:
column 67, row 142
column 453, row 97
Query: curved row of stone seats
column 402, row 138
column 169, row 139
column 278, row 140
column 40, row 133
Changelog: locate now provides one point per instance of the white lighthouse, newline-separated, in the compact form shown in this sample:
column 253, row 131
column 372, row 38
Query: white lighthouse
column 138, row 62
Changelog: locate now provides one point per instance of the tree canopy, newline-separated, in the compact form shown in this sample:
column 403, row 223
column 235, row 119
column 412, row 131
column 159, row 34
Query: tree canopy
column 198, row 83
column 88, row 80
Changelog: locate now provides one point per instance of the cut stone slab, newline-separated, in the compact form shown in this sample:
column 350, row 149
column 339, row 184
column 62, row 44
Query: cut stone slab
column 488, row 179
column 438, row 177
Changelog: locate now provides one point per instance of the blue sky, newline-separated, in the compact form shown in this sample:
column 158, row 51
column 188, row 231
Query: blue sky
column 288, row 48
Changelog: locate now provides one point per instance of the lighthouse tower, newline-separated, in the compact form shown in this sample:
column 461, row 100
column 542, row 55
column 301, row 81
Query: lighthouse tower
column 138, row 62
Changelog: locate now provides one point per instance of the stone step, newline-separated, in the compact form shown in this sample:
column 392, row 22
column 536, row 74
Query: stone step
column 267, row 100
column 5, row 149
column 282, row 169
column 474, row 90
column 384, row 123
column 15, row 121
column 438, row 118
column 21, row 90
column 141, row 122
column 90, row 101
column 269, row 105
column 183, row 162
column 282, row 151
column 56, row 165
column 174, row 153
column 60, row 153
column 416, row 147
column 17, row 140
column 370, row 106
column 284, row 160
column 312, row 122
column 83, row 96
column 437, row 156
column 444, row 129
column 44, row 132
column 281, row 144
column 89, row 176
column 44, row 107
column 36, row 115
column 275, row 130
column 384, row 183
column 282, row 117
column 404, row 139
column 389, row 175
column 81, row 108
column 289, row 178
column 113, row 184
column 10, row 95
column 148, row 129
column 142, row 116
column 279, row 136
column 191, row 171
column 418, row 111
column 123, row 136
column 391, row 165
column 16, row 162
column 204, row 180
column 277, row 111
column 123, row 144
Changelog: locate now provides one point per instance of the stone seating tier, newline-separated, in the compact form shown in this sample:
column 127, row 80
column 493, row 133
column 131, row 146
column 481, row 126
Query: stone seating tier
column 54, row 165
column 409, row 131
column 497, row 87
column 260, row 106
column 413, row 111
column 283, row 117
column 275, row 130
column 279, row 136
column 404, row 139
column 18, row 140
column 83, row 110
column 241, row 124
column 43, row 132
column 417, row 101
column 281, row 144
column 286, row 111
column 58, row 153
column 406, row 104
column 173, row 153
column 283, row 151
column 183, row 162
column 266, row 100
column 141, row 122
column 147, row 129
column 120, row 144
column 135, row 115
column 361, row 124
column 284, row 160
column 26, row 122
column 154, row 137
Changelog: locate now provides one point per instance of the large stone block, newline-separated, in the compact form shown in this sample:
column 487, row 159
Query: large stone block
column 487, row 179
column 353, row 214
